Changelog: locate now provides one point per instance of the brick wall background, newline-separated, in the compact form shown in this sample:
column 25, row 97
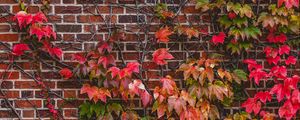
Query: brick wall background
column 80, row 24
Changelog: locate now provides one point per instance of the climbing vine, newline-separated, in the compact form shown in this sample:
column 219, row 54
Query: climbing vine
column 209, row 81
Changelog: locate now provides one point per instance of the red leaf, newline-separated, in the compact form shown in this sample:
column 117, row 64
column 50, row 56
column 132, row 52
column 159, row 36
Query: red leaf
column 187, row 97
column 39, row 18
column 296, row 96
column 271, row 52
column 36, row 30
column 281, row 91
column 284, row 49
column 257, row 75
column 106, row 60
column 287, row 110
column 252, row 105
column 146, row 98
column 292, row 82
column 48, row 32
column 23, row 19
column 66, row 73
column 79, row 58
column 281, row 38
column 289, row 3
column 114, row 71
column 56, row 52
column 101, row 94
column 275, row 60
column 133, row 67
column 103, row 47
column 95, row 93
column 160, row 55
column 176, row 103
column 168, row 85
column 216, row 39
column 252, row 64
column 231, row 15
column 291, row 60
column 161, row 110
column 279, row 71
column 136, row 86
column 263, row 96
column 162, row 35
column 157, row 95
column 19, row 49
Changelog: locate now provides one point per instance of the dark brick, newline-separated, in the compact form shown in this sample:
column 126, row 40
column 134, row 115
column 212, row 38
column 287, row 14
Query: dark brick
column 131, row 18
column 89, row 1
column 69, row 28
column 67, row 9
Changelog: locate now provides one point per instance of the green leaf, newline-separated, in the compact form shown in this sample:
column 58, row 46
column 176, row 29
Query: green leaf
column 155, row 106
column 190, row 81
column 203, row 5
column 227, row 101
column 224, row 21
column 236, row 33
column 115, row 107
column 246, row 10
column 22, row 5
column 85, row 110
column 233, row 47
column 240, row 21
column 215, row 55
column 239, row 75
column 245, row 45
column 236, row 8
column 252, row 31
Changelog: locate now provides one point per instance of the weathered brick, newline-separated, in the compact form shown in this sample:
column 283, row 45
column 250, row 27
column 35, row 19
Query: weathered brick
column 9, row 37
column 67, row 9
column 131, row 18
column 68, row 1
column 28, row 113
column 4, row 28
column 89, row 19
column 89, row 1
column 28, row 104
column 68, row 28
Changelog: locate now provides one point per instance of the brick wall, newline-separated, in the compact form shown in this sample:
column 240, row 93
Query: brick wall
column 80, row 24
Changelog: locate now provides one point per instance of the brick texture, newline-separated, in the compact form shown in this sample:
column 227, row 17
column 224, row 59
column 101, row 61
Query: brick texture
column 81, row 24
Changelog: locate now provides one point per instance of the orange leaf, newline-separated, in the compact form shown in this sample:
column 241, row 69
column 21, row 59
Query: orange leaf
column 163, row 34
column 210, row 74
column 221, row 73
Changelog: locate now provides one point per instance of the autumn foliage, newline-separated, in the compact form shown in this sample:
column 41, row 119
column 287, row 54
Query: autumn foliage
column 208, row 84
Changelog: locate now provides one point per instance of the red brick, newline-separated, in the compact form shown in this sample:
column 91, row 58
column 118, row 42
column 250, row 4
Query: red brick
column 30, row 104
column 10, row 94
column 9, row 75
column 68, row 1
column 69, row 18
column 71, row 113
column 190, row 9
column 67, row 9
column 28, row 113
column 70, row 93
column 8, row 2
column 68, row 28
column 31, row 9
column 55, row 19
column 107, row 10
column 4, row 28
column 9, row 37
column 89, row 19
